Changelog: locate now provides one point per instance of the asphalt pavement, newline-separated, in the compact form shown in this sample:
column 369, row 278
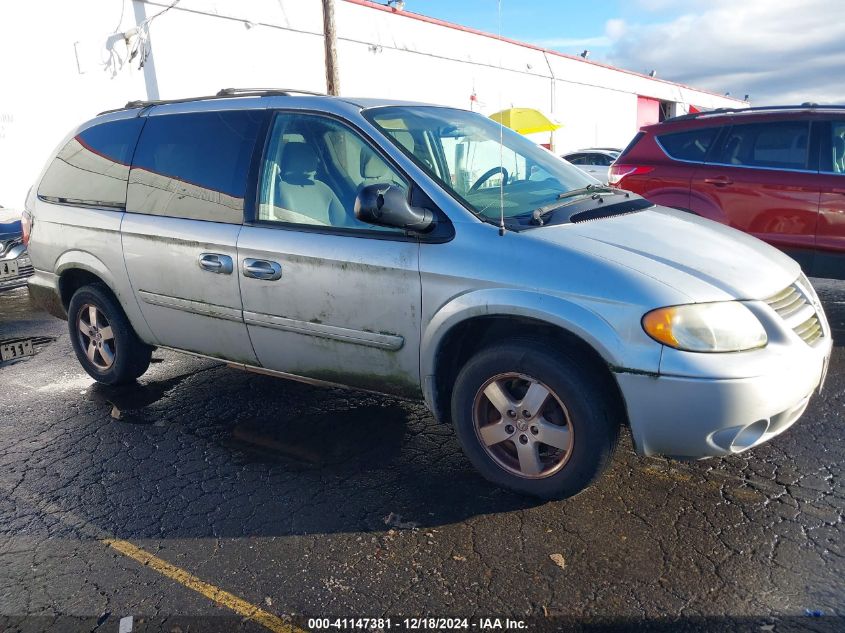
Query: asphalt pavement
column 205, row 498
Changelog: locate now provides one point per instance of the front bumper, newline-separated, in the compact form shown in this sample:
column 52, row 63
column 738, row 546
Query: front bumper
column 688, row 417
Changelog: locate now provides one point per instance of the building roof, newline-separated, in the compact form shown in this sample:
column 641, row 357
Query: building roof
column 451, row 25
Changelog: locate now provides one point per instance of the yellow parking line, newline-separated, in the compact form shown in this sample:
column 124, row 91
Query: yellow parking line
column 216, row 594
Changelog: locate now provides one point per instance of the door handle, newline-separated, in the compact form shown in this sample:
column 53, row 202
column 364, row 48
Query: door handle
column 719, row 181
column 216, row 263
column 262, row 269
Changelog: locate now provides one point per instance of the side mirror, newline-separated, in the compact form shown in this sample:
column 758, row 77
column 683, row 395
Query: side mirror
column 387, row 205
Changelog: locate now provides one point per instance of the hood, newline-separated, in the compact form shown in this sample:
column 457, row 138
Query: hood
column 704, row 260
column 9, row 226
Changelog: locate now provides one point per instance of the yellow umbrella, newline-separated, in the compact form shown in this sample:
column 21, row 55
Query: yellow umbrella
column 525, row 120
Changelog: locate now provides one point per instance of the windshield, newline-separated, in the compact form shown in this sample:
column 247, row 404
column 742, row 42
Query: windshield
column 462, row 150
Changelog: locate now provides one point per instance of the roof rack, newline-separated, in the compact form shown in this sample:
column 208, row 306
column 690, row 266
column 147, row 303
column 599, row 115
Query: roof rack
column 803, row 106
column 285, row 92
column 225, row 93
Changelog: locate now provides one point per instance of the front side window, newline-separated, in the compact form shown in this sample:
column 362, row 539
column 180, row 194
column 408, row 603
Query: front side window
column 312, row 172
column 691, row 145
column 93, row 167
column 194, row 165
column 834, row 162
column 489, row 168
column 776, row 145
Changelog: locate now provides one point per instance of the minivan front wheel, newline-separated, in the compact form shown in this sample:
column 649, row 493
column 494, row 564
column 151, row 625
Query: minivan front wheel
column 534, row 420
column 102, row 338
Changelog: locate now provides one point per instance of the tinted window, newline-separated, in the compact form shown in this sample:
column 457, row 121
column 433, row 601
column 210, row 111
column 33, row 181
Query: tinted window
column 575, row 159
column 599, row 160
column 691, row 145
column 313, row 170
column 194, row 165
column 93, row 167
column 774, row 145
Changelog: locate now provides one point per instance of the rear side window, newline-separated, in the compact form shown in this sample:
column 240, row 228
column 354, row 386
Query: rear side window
column 691, row 145
column 92, row 168
column 194, row 165
column 600, row 160
column 781, row 144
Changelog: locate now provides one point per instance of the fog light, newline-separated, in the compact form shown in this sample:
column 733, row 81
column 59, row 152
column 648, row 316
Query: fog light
column 736, row 439
column 749, row 436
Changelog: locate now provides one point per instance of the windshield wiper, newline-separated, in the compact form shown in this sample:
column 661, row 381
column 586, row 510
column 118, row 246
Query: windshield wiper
column 591, row 188
column 539, row 215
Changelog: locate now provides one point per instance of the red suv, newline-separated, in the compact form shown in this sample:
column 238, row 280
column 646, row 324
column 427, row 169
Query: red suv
column 777, row 173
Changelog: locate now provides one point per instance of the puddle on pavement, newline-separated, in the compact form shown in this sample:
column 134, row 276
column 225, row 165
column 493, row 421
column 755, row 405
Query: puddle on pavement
column 365, row 433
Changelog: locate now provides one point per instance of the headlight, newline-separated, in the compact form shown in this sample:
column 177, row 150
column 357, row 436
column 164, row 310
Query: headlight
column 706, row 327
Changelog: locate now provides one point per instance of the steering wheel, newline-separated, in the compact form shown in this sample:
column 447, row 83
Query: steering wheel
column 486, row 176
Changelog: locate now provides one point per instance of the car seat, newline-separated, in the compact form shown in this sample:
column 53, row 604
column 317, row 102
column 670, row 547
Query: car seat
column 732, row 151
column 300, row 191
column 373, row 170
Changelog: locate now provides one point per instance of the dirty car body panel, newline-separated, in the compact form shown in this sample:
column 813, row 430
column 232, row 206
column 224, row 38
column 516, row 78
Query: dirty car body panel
column 320, row 320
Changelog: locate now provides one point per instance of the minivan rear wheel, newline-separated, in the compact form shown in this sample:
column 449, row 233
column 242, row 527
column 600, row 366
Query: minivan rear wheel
column 102, row 338
column 534, row 420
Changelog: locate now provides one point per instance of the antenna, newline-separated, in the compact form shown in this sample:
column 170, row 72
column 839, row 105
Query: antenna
column 501, row 137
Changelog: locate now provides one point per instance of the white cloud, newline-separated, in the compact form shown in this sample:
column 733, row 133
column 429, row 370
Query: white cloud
column 656, row 5
column 615, row 29
column 778, row 52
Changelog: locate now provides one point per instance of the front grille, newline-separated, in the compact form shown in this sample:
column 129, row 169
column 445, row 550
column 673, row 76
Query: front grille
column 794, row 306
column 24, row 271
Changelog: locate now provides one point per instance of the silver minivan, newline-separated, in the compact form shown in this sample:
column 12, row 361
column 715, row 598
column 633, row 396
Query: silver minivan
column 423, row 252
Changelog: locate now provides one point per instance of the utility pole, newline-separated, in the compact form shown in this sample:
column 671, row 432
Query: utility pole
column 330, row 37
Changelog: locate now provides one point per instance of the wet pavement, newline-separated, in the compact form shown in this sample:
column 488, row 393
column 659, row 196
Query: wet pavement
column 304, row 502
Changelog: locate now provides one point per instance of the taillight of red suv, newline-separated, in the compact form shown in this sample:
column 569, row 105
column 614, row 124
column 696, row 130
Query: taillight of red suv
column 622, row 169
column 619, row 171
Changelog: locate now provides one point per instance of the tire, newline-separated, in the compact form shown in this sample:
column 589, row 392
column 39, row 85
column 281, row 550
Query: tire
column 579, row 418
column 117, row 355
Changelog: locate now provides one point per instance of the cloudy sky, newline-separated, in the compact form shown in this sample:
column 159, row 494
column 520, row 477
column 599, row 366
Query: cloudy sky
column 776, row 51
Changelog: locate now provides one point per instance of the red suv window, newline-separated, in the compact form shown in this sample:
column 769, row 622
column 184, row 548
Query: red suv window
column 691, row 145
column 776, row 145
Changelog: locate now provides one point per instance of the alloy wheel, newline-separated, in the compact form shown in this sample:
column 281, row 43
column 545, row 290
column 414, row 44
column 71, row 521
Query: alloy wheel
column 95, row 336
column 523, row 425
